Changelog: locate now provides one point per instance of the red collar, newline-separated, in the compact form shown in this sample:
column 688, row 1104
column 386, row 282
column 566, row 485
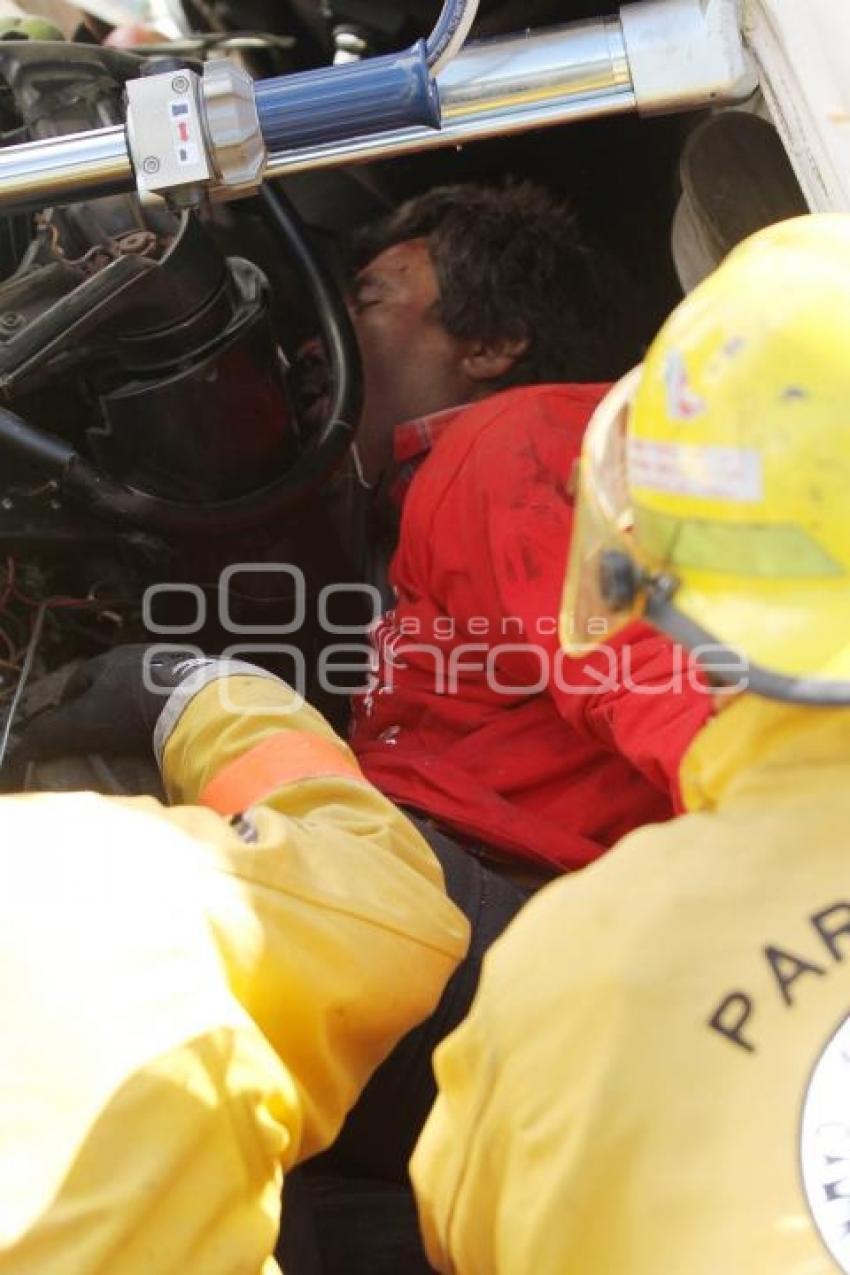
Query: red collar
column 412, row 442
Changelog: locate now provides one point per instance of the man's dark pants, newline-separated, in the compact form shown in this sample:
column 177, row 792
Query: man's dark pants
column 363, row 1213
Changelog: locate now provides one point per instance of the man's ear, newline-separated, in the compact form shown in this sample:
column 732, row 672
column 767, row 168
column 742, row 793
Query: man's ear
column 491, row 360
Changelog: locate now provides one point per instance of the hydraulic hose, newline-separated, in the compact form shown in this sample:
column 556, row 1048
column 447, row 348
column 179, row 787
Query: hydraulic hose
column 450, row 33
column 338, row 333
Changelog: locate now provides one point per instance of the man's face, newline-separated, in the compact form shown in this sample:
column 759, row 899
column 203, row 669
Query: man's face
column 411, row 365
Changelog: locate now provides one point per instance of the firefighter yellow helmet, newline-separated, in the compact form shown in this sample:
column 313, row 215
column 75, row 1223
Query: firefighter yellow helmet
column 714, row 493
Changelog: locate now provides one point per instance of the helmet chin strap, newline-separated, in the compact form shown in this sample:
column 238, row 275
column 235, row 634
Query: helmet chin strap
column 660, row 612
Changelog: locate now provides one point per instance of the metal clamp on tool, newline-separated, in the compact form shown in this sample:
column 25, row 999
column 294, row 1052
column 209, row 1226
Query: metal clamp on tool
column 166, row 137
column 190, row 135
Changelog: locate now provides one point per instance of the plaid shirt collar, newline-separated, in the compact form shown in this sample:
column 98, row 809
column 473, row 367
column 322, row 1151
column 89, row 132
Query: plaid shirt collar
column 412, row 443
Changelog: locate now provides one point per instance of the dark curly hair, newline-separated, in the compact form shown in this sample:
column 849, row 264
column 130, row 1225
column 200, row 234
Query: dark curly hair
column 510, row 264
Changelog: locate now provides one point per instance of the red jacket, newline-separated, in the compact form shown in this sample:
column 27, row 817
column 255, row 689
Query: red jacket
column 477, row 717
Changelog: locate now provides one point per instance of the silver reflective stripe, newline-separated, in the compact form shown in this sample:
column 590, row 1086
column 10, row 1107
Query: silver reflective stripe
column 199, row 673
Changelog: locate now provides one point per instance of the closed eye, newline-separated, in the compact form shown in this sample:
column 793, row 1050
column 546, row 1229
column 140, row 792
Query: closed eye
column 365, row 293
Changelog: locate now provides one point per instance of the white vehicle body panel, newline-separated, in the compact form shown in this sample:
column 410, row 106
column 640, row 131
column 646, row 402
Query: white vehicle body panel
column 802, row 49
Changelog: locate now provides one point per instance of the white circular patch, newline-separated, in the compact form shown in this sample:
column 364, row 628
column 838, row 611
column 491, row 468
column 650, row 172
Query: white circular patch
column 825, row 1145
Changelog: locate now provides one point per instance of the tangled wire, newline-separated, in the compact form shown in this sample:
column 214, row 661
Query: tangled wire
column 23, row 619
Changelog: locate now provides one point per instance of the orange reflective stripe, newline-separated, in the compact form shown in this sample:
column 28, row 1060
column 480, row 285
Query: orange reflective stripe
column 283, row 758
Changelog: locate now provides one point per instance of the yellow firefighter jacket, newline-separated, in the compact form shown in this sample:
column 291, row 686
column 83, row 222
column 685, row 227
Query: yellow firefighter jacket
column 655, row 1076
column 191, row 1004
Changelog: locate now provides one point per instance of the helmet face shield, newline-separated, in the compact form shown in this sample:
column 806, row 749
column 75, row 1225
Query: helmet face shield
column 601, row 529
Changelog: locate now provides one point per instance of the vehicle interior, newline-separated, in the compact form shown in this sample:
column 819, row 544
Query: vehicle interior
column 161, row 348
